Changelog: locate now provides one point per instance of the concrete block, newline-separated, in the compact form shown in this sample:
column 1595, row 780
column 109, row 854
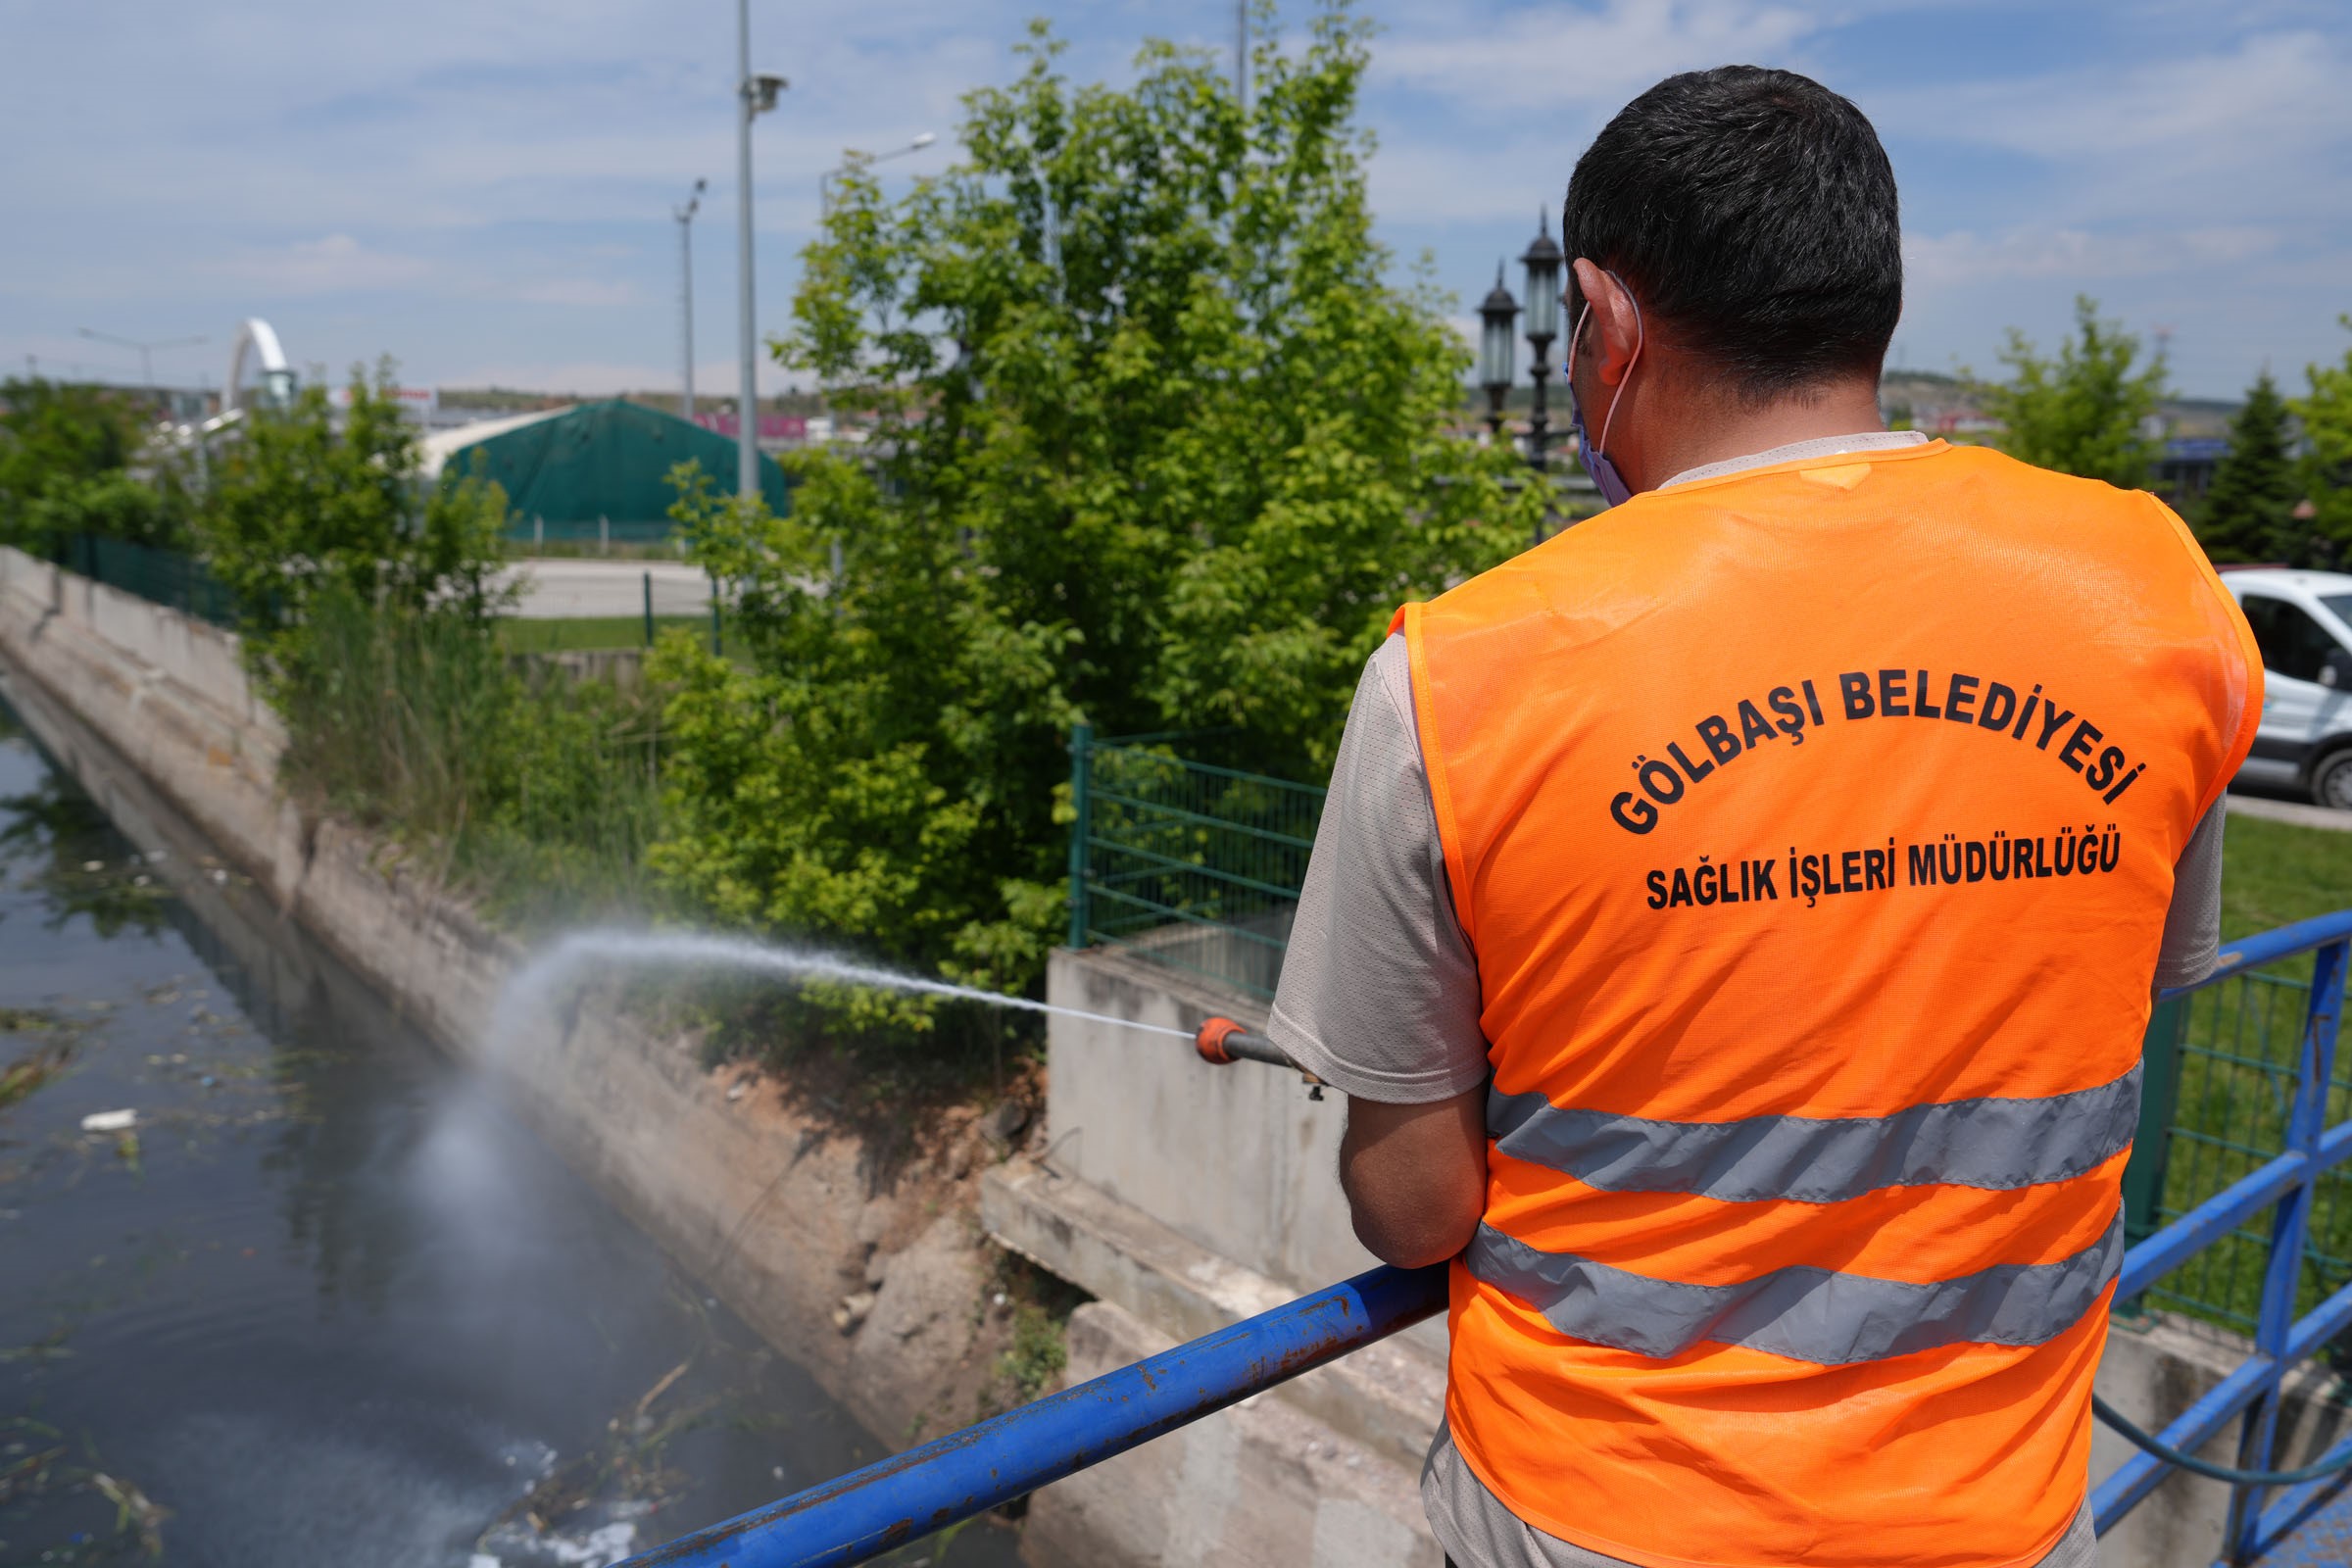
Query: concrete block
column 1388, row 1396
column 1257, row 1486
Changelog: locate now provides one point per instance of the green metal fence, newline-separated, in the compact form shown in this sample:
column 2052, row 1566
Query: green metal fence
column 2222, row 1074
column 181, row 582
column 1190, row 865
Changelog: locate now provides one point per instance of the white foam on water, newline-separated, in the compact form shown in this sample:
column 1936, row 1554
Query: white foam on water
column 548, row 976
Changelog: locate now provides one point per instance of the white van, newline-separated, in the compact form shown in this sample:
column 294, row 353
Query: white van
column 2303, row 622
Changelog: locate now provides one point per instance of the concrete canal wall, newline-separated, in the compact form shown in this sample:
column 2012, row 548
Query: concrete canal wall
column 1183, row 1197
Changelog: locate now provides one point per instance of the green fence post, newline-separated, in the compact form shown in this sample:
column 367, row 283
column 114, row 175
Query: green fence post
column 1082, row 745
column 2159, row 1097
column 649, row 610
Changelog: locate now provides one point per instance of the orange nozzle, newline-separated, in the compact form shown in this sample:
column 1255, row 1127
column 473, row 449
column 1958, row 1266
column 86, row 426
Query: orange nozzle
column 1210, row 1041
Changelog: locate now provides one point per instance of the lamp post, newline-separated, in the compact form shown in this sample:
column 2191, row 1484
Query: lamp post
column 754, row 96
column 146, row 350
column 856, row 159
column 685, row 217
column 1498, row 316
column 1542, row 262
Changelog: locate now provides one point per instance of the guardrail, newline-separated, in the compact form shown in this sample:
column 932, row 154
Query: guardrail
column 966, row 1473
column 949, row 1479
column 2221, row 1078
column 2286, row 1185
column 1192, row 866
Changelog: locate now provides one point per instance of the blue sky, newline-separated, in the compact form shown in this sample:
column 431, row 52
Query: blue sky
column 483, row 189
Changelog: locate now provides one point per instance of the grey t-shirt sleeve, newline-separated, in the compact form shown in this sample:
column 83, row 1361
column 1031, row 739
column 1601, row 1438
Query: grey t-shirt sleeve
column 1379, row 991
column 2193, row 926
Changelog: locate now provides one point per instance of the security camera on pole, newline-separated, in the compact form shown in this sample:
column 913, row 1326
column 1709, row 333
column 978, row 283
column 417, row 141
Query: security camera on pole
column 757, row 96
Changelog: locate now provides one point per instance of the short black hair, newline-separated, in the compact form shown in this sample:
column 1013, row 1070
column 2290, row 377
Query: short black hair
column 1754, row 215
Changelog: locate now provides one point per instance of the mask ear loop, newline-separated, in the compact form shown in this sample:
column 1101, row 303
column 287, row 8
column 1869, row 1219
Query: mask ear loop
column 1640, row 340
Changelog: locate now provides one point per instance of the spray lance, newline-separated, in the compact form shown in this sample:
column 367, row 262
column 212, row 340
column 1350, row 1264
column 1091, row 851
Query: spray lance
column 1222, row 1042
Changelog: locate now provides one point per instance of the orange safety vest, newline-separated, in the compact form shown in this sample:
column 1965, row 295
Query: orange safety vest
column 1814, row 828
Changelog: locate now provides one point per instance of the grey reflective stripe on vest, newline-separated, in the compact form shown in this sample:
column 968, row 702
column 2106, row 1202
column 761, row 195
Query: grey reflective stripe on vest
column 1997, row 1143
column 1804, row 1313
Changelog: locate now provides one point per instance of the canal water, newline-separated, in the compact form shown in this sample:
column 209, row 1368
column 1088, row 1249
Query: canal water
column 322, row 1300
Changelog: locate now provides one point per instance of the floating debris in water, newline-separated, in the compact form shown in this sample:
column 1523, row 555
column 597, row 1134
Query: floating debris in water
column 109, row 1121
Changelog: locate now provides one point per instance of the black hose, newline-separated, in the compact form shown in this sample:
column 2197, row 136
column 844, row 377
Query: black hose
column 2206, row 1467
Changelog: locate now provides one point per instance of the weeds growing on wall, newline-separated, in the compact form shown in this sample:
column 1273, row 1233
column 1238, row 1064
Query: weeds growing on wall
column 538, row 796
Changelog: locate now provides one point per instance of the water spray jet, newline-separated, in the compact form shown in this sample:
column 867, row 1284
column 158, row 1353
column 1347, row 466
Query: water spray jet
column 545, row 977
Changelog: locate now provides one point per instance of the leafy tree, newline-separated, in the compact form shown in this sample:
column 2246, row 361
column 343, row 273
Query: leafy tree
column 1156, row 445
column 2326, row 469
column 2083, row 412
column 306, row 504
column 2249, row 513
column 64, row 455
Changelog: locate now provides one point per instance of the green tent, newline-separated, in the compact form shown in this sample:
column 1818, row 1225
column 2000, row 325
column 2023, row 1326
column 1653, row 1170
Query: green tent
column 593, row 470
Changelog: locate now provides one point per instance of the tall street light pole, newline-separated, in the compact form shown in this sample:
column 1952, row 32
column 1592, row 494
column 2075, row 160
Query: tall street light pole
column 756, row 95
column 146, row 350
column 685, row 218
column 1240, row 54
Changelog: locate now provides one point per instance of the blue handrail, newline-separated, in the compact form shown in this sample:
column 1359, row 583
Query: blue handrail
column 2285, row 1186
column 964, row 1473
column 952, row 1478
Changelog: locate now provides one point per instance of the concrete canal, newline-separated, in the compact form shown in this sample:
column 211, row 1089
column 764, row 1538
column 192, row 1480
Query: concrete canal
column 322, row 1299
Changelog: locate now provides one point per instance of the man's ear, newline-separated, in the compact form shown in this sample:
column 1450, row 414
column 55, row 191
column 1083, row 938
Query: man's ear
column 1612, row 331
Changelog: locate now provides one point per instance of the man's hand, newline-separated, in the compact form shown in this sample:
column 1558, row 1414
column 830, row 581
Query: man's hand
column 1415, row 1176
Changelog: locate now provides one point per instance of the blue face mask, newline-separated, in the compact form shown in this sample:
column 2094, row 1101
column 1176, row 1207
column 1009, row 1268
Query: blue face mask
column 1605, row 477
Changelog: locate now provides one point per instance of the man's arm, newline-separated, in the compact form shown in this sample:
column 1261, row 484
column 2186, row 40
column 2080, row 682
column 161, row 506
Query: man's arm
column 1415, row 1176
column 1379, row 995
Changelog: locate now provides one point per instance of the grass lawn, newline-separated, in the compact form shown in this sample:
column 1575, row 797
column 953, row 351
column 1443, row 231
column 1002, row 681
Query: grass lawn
column 2276, row 873
column 605, row 631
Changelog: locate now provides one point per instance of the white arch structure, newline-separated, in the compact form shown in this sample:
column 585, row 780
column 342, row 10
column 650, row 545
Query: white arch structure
column 257, row 348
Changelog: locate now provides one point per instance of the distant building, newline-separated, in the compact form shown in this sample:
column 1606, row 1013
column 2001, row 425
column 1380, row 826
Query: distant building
column 2184, row 469
column 592, row 471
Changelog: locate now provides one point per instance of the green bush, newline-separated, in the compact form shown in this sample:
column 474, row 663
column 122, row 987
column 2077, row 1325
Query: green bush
column 64, row 456
column 306, row 503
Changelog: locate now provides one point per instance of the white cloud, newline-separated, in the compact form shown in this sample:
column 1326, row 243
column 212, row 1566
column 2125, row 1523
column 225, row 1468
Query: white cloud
column 2263, row 129
column 332, row 264
column 593, row 293
column 1932, row 261
column 1556, row 55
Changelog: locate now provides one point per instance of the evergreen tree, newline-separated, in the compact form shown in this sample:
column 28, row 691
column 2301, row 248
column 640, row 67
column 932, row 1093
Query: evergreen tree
column 2249, row 513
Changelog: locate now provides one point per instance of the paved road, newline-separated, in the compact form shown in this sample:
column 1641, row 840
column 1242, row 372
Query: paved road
column 563, row 589
column 2300, row 812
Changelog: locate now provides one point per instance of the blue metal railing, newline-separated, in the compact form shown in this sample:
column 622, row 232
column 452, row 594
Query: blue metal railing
column 966, row 1473
column 2286, row 1187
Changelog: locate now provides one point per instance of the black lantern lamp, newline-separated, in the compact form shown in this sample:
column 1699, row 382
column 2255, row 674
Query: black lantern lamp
column 1542, row 264
column 1497, row 315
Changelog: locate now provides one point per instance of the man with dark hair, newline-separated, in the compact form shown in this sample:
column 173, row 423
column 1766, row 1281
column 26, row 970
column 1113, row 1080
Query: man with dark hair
column 1734, row 922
